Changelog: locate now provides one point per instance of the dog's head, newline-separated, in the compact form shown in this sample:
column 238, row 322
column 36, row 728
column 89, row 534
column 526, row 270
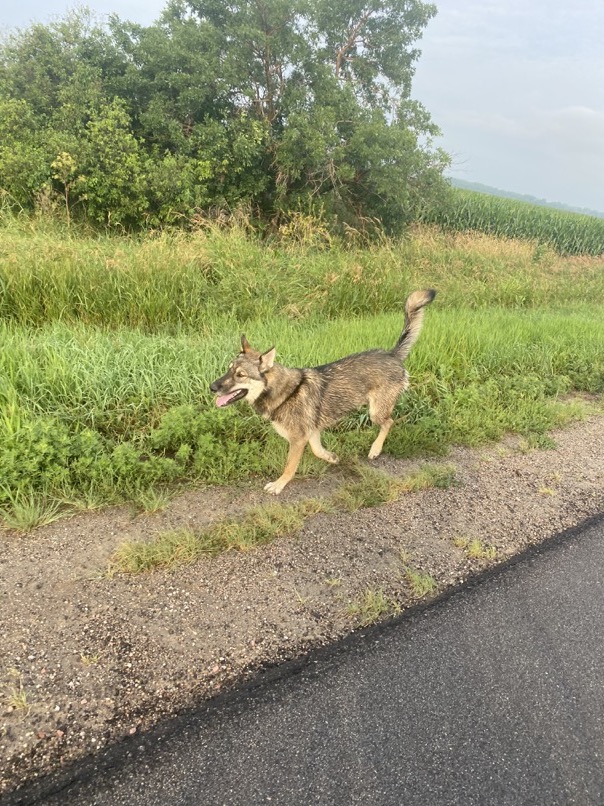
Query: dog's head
column 245, row 377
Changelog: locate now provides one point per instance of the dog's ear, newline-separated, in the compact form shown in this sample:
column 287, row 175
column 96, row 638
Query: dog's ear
column 245, row 345
column 267, row 359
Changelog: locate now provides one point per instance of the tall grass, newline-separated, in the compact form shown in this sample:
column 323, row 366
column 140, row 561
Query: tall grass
column 91, row 414
column 109, row 347
column 568, row 233
column 217, row 279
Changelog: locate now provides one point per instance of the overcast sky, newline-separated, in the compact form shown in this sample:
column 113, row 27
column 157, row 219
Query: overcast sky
column 517, row 87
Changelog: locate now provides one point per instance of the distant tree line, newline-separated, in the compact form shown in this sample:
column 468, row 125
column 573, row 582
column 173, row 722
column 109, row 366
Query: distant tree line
column 278, row 105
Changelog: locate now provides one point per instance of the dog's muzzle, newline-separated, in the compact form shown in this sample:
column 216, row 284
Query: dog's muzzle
column 229, row 397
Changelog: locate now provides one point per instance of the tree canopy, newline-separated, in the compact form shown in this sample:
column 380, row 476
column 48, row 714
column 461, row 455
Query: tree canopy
column 277, row 104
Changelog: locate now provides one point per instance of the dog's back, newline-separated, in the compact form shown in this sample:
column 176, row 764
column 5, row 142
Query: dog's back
column 347, row 384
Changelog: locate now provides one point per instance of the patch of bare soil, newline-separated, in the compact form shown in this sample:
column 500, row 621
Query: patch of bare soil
column 87, row 659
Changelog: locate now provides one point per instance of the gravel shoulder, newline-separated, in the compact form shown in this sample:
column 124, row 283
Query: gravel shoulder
column 89, row 659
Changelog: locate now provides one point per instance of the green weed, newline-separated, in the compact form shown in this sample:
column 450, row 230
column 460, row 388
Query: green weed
column 372, row 489
column 18, row 698
column 421, row 583
column 372, row 606
column 153, row 499
column 537, row 442
column 268, row 522
column 375, row 487
column 26, row 510
column 89, row 660
column 476, row 550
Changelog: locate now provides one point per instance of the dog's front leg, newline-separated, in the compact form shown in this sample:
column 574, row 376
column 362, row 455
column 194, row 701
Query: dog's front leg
column 296, row 449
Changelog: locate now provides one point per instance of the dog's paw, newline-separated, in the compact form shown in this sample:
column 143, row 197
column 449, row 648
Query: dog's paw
column 274, row 487
column 332, row 458
column 373, row 453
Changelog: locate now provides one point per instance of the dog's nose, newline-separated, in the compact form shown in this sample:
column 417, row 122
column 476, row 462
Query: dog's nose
column 214, row 387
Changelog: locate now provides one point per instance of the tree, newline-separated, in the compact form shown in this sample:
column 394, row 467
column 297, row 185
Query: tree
column 331, row 85
column 112, row 179
column 370, row 45
column 24, row 166
column 278, row 104
column 68, row 61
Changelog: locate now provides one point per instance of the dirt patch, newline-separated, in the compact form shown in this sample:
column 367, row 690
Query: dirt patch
column 87, row 659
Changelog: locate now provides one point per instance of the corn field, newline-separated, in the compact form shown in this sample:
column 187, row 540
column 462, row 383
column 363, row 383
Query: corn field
column 567, row 233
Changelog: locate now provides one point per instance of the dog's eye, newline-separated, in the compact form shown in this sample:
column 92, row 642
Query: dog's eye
column 240, row 373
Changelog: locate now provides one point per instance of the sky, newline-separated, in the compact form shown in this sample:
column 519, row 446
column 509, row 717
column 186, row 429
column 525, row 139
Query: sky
column 516, row 87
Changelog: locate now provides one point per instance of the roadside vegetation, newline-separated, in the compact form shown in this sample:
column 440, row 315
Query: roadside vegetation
column 110, row 344
column 268, row 522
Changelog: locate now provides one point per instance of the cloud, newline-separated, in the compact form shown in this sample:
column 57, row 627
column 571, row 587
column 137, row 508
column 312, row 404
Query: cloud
column 518, row 90
column 573, row 125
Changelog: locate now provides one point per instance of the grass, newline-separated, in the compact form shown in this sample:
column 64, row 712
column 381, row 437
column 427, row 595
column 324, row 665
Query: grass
column 109, row 346
column 477, row 550
column 420, row 582
column 372, row 606
column 537, row 441
column 333, row 582
column 26, row 511
column 370, row 490
column 474, row 548
column 169, row 549
column 18, row 698
column 211, row 281
column 153, row 499
column 375, row 487
column 266, row 523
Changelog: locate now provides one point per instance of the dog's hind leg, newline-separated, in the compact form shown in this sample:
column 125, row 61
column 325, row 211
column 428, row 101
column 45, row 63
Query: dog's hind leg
column 380, row 411
column 319, row 451
column 296, row 449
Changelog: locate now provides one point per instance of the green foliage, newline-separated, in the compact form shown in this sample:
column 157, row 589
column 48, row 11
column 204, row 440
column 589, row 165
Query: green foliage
column 568, row 233
column 373, row 46
column 23, row 161
column 420, row 582
column 112, row 181
column 279, row 106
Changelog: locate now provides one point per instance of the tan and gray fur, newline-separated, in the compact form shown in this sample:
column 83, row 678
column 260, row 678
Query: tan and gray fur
column 300, row 403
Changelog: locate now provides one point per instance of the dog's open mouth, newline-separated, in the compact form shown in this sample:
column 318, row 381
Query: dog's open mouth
column 232, row 397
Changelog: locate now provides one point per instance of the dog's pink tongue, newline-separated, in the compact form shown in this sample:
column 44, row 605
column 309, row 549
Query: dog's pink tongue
column 223, row 399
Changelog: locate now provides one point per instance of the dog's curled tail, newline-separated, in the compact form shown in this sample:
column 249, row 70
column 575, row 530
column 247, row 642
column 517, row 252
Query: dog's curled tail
column 414, row 317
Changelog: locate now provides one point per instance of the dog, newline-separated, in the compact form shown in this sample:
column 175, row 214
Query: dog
column 300, row 403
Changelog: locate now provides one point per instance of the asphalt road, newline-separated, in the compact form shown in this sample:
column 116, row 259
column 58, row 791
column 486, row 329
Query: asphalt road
column 494, row 695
